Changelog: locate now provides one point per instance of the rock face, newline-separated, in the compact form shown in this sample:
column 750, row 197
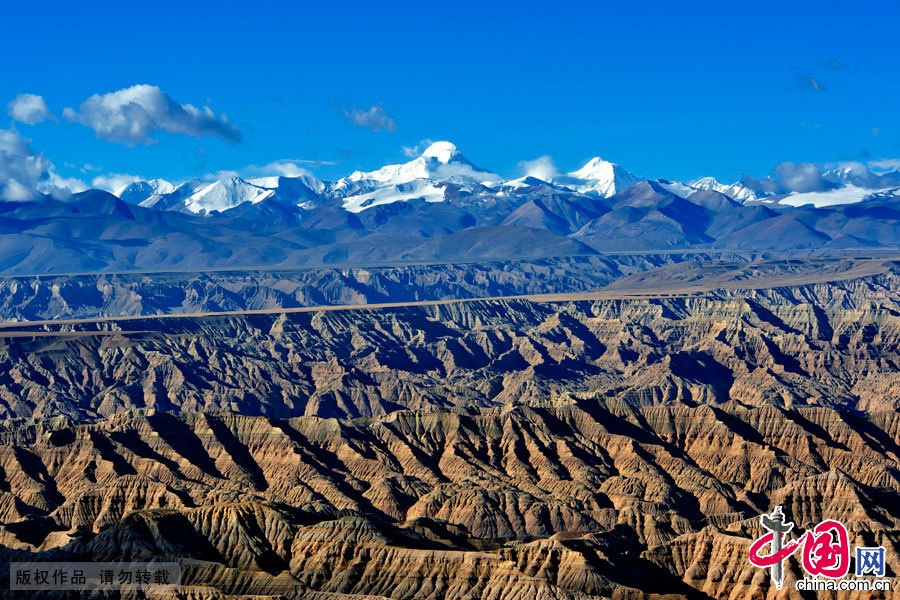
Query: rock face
column 565, row 498
column 832, row 345
column 36, row 298
column 566, row 448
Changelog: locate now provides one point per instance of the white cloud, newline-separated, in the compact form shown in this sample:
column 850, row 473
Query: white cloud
column 375, row 118
column 112, row 182
column 801, row 177
column 223, row 174
column 29, row 109
column 851, row 166
column 885, row 164
column 285, row 168
column 61, row 187
column 541, row 167
column 13, row 191
column 24, row 175
column 20, row 169
column 134, row 114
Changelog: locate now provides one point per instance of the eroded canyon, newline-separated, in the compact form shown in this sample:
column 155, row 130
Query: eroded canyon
column 586, row 446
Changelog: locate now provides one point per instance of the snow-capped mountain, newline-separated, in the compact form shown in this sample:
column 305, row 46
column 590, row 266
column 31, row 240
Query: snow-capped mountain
column 204, row 197
column 599, row 177
column 421, row 178
column 736, row 191
column 417, row 189
column 138, row 192
column 439, row 206
column 851, row 173
column 223, row 195
column 443, row 174
column 677, row 188
column 305, row 183
column 301, row 190
column 857, row 174
column 441, row 161
column 171, row 200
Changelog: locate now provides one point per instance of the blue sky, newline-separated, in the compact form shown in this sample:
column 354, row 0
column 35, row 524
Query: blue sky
column 674, row 90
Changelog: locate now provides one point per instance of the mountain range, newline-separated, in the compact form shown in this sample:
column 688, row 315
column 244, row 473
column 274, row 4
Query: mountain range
column 442, row 167
column 428, row 381
column 437, row 207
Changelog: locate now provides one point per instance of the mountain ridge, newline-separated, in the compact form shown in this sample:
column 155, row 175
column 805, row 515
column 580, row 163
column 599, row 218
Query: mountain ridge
column 96, row 231
column 438, row 206
column 443, row 163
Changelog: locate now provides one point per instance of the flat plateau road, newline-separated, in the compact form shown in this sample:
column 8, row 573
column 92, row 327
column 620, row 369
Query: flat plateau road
column 678, row 280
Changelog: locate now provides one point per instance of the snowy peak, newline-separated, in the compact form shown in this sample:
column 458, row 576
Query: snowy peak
column 202, row 197
column 736, row 191
column 304, row 187
column 596, row 168
column 858, row 175
column 709, row 183
column 741, row 193
column 138, row 192
column 676, row 187
column 421, row 179
column 441, row 173
column 225, row 194
column 416, row 179
column 600, row 177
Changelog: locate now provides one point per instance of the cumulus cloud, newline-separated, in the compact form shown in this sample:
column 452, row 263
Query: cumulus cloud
column 284, row 168
column 801, row 177
column 766, row 186
column 112, row 182
column 13, row 191
column 21, row 170
column 61, row 187
column 541, row 167
column 29, row 109
column 287, row 167
column 133, row 115
column 885, row 164
column 375, row 118
column 25, row 175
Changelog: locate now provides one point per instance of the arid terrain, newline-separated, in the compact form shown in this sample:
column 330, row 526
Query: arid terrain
column 79, row 296
column 449, row 301
column 620, row 443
